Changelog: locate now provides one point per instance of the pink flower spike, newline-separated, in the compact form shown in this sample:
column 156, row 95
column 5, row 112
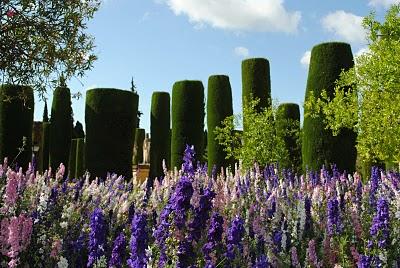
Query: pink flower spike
column 10, row 13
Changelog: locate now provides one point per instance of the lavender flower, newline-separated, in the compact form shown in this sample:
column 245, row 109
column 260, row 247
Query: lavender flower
column 201, row 214
column 380, row 224
column 139, row 241
column 97, row 237
column 214, row 236
column 334, row 223
column 118, row 251
column 234, row 237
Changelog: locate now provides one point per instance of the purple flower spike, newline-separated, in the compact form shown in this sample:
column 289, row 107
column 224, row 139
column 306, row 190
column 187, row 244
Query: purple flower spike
column 118, row 251
column 97, row 237
column 139, row 241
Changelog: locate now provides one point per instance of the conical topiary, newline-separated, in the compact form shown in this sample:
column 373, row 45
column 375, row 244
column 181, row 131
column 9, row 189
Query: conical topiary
column 72, row 159
column 288, row 128
column 139, row 138
column 160, row 133
column 256, row 81
column 219, row 107
column 61, row 128
column 45, row 146
column 187, row 119
column 16, row 123
column 80, row 158
column 319, row 146
column 110, row 117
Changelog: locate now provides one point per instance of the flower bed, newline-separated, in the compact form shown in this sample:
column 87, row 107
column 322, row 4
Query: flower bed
column 261, row 218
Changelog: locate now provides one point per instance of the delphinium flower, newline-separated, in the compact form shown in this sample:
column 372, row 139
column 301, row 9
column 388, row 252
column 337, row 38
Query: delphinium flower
column 118, row 252
column 234, row 237
column 261, row 262
column 294, row 258
column 11, row 193
column 201, row 214
column 185, row 254
column 62, row 263
column 308, row 219
column 334, row 223
column 180, row 201
column 312, row 257
column 364, row 261
column 139, row 241
column 97, row 237
column 214, row 237
column 380, row 228
column 374, row 185
column 188, row 158
column 161, row 234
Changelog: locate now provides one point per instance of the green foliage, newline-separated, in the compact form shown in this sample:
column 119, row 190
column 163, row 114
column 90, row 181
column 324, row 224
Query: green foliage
column 256, row 82
column 110, row 117
column 371, row 106
column 80, row 158
column 187, row 119
column 16, row 123
column 219, row 107
column 160, row 133
column 40, row 40
column 138, row 146
column 45, row 146
column 259, row 142
column 319, row 145
column 72, row 159
column 60, row 128
column 288, row 128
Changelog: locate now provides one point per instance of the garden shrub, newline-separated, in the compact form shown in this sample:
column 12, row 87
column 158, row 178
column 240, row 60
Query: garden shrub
column 110, row 117
column 72, row 159
column 139, row 138
column 187, row 119
column 160, row 133
column 60, row 128
column 16, row 123
column 80, row 158
column 319, row 146
column 219, row 107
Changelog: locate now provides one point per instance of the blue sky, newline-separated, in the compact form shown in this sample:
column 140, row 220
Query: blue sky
column 159, row 42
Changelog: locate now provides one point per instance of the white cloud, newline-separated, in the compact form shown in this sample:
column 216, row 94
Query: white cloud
column 305, row 59
column 345, row 25
column 384, row 3
column 239, row 15
column 362, row 51
column 241, row 52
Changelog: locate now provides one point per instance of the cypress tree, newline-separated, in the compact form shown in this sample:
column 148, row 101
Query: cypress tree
column 319, row 146
column 187, row 119
column 16, row 123
column 288, row 128
column 78, row 131
column 139, row 138
column 110, row 117
column 80, row 158
column 256, row 82
column 45, row 146
column 72, row 159
column 160, row 124
column 219, row 107
column 61, row 128
column 45, row 113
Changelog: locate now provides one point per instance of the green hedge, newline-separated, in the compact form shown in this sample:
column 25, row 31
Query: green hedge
column 160, row 133
column 16, row 122
column 219, row 106
column 61, row 128
column 288, row 127
column 187, row 119
column 256, row 81
column 80, row 158
column 72, row 159
column 319, row 146
column 110, row 116
column 45, row 152
column 139, row 138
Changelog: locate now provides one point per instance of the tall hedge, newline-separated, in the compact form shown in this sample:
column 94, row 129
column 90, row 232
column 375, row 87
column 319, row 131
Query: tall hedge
column 160, row 133
column 61, row 128
column 187, row 119
column 319, row 146
column 139, row 138
column 72, row 159
column 288, row 127
column 45, row 154
column 80, row 158
column 219, row 107
column 16, row 123
column 110, row 116
column 256, row 81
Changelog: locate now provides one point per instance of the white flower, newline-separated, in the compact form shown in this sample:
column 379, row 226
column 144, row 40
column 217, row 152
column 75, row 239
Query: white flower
column 62, row 263
column 64, row 224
